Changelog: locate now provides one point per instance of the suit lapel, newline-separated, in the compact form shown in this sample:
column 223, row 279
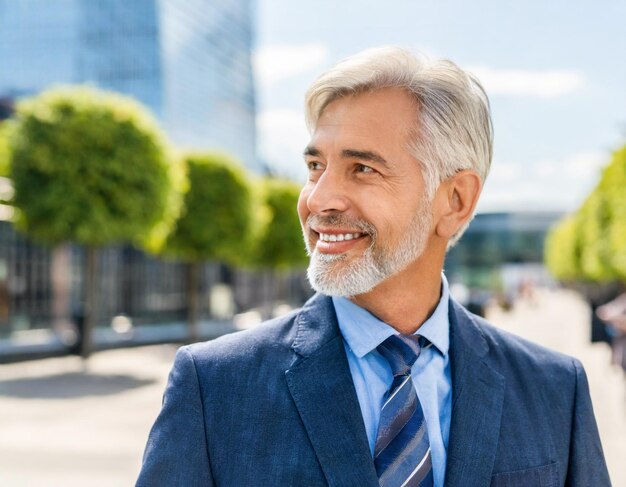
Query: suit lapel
column 321, row 386
column 477, row 398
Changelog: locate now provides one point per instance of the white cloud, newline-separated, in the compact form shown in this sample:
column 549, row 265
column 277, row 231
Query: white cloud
column 587, row 165
column 541, row 84
column 505, row 173
column 277, row 62
column 282, row 138
column 542, row 185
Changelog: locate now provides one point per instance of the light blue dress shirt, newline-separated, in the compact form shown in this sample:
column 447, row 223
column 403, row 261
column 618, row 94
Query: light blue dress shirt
column 372, row 377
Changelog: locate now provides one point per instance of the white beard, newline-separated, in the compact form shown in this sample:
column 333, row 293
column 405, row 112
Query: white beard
column 337, row 275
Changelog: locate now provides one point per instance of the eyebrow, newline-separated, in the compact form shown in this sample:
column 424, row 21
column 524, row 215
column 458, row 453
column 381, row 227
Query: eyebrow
column 363, row 155
column 311, row 151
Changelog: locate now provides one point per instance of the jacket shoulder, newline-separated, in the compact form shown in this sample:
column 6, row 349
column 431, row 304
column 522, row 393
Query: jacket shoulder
column 512, row 352
column 270, row 338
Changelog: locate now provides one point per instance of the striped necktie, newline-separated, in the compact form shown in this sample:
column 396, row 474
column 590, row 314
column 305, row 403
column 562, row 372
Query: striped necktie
column 402, row 452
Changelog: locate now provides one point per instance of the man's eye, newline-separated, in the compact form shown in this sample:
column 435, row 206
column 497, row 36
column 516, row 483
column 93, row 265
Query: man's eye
column 363, row 168
column 314, row 166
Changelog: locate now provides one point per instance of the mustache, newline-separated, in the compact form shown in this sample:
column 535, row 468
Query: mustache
column 341, row 221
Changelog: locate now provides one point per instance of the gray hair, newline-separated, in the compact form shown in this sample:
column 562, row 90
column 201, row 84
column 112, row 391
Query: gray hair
column 453, row 131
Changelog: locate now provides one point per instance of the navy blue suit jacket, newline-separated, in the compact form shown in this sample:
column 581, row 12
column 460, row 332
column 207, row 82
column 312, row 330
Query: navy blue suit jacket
column 275, row 406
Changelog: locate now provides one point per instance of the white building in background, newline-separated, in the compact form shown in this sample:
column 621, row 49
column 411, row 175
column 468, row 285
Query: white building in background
column 189, row 61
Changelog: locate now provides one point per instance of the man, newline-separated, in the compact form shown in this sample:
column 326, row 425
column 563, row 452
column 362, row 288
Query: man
column 381, row 378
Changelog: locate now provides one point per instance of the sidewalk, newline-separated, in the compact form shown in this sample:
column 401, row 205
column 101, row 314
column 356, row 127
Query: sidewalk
column 64, row 426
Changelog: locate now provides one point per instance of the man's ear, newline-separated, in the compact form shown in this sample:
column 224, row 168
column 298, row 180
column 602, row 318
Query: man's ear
column 456, row 200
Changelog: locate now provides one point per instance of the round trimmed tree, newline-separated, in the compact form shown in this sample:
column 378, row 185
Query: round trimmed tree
column 214, row 222
column 280, row 244
column 91, row 167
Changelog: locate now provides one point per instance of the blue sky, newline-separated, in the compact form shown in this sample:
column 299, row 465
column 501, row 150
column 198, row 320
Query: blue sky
column 555, row 72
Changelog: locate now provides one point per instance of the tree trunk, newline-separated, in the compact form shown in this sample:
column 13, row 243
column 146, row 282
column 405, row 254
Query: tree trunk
column 60, row 278
column 127, row 286
column 269, row 285
column 91, row 273
column 193, row 274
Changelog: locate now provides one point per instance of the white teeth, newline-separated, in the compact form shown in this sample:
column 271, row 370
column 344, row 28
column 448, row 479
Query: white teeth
column 328, row 237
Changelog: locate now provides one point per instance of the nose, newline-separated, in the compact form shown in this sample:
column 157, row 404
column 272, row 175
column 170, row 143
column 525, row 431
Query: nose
column 328, row 194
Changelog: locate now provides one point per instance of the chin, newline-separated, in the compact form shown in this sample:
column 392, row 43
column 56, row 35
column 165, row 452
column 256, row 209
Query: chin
column 335, row 275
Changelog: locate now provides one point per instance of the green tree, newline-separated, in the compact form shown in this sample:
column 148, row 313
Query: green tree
column 214, row 222
column 280, row 244
column 591, row 244
column 561, row 252
column 613, row 188
column 593, row 220
column 4, row 149
column 91, row 167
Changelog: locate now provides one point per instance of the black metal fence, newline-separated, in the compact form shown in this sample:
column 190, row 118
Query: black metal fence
column 41, row 288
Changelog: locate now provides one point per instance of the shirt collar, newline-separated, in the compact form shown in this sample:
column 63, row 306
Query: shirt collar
column 363, row 332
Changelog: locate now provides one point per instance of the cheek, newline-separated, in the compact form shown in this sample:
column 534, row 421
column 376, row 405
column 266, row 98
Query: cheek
column 392, row 221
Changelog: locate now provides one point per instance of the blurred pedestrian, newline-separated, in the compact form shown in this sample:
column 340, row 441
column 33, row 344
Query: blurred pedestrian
column 614, row 313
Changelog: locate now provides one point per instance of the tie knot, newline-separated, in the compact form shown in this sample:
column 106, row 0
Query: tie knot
column 401, row 352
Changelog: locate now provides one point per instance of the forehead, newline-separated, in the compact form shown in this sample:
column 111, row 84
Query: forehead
column 384, row 117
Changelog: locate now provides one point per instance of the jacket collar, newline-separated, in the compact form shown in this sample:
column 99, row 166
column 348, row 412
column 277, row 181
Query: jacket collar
column 321, row 386
column 316, row 325
column 477, row 400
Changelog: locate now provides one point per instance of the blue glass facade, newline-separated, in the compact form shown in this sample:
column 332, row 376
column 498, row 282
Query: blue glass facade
column 188, row 60
column 209, row 95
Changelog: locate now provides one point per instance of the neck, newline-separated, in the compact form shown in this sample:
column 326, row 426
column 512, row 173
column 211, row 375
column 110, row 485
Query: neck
column 406, row 300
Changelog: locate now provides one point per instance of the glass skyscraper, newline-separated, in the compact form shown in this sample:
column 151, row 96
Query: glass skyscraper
column 187, row 60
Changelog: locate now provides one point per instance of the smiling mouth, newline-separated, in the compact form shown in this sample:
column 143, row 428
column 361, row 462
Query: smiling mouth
column 339, row 237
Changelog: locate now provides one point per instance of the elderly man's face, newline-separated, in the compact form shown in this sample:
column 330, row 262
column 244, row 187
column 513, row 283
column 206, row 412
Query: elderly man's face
column 363, row 211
